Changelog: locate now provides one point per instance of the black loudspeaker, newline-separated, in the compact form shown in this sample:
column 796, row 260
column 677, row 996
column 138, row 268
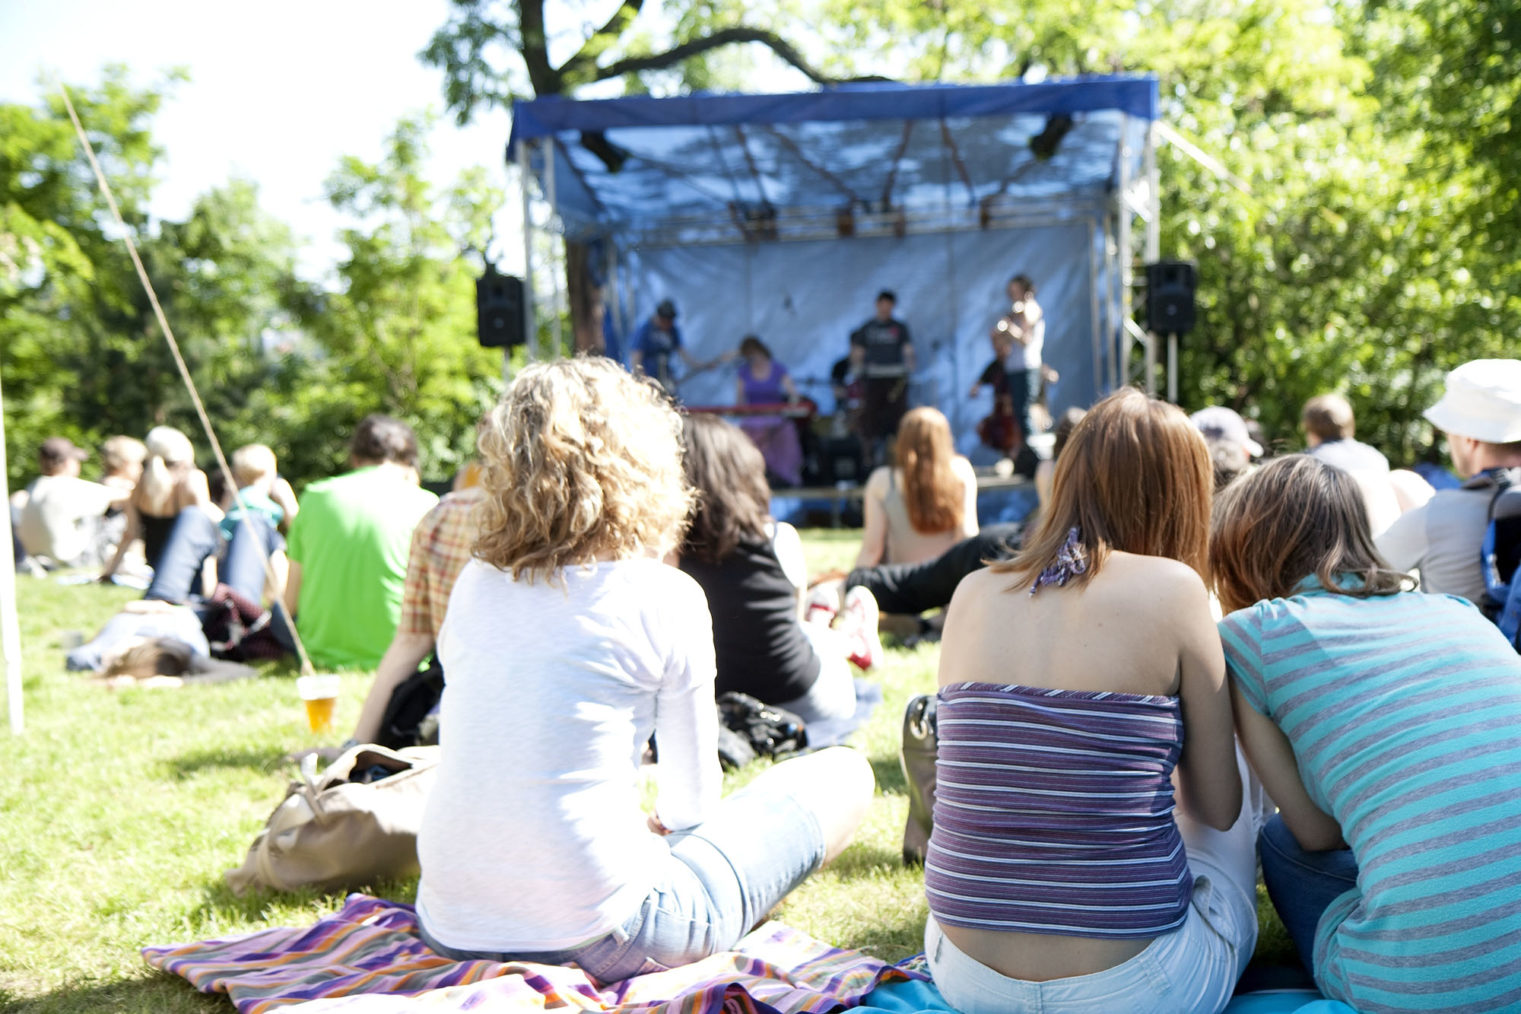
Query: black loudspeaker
column 1170, row 297
column 499, row 310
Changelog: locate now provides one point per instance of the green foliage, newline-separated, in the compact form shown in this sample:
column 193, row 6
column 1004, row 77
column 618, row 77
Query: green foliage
column 277, row 360
column 1358, row 244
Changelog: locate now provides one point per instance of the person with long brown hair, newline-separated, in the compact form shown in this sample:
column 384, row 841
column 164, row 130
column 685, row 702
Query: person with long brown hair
column 1386, row 725
column 751, row 569
column 924, row 504
column 1090, row 847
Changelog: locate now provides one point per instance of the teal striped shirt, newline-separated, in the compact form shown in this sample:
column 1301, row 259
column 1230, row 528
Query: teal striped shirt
column 1404, row 712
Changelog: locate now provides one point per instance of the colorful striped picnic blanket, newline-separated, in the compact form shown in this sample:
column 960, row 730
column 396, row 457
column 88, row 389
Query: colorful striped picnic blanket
column 368, row 958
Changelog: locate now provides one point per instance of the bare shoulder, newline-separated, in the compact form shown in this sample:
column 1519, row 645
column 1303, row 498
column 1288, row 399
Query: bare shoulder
column 1164, row 581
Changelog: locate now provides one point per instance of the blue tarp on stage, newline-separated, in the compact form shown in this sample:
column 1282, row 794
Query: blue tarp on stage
column 783, row 215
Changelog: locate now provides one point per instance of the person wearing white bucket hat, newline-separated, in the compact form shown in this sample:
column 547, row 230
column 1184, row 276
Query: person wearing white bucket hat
column 1480, row 412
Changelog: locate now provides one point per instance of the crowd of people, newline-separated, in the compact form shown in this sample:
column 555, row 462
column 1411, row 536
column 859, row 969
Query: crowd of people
column 1190, row 661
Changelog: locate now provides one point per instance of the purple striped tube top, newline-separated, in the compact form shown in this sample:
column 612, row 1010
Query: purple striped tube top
column 1053, row 813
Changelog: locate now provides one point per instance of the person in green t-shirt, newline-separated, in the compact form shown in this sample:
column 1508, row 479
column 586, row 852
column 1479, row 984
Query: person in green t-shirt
column 348, row 547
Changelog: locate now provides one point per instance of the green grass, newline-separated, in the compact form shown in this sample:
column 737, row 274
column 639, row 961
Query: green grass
column 120, row 810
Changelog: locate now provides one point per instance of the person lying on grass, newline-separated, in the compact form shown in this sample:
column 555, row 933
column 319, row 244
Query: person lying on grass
column 1386, row 724
column 567, row 643
column 1090, row 848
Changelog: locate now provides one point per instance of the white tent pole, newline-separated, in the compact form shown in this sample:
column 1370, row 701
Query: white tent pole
column 530, row 328
column 1096, row 240
column 1153, row 254
column 10, row 623
column 1119, row 371
column 556, row 243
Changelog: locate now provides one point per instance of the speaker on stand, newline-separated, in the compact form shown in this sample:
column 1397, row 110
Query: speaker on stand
column 499, row 310
column 1170, row 310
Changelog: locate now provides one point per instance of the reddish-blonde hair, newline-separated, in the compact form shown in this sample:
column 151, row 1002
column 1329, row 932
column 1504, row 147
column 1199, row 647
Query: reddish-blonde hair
column 1293, row 518
column 932, row 492
column 1134, row 477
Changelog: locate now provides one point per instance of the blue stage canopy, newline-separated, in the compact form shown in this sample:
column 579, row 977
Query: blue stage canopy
column 709, row 167
column 783, row 215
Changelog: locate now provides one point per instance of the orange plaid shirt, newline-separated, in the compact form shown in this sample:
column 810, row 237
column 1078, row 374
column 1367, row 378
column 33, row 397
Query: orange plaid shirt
column 440, row 549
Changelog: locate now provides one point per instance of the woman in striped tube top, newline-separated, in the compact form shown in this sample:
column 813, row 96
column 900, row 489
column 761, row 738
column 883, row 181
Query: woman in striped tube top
column 1089, row 848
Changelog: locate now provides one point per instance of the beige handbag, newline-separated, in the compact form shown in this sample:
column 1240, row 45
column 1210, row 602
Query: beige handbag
column 335, row 832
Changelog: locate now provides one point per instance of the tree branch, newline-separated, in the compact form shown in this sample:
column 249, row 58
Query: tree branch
column 734, row 35
column 584, row 62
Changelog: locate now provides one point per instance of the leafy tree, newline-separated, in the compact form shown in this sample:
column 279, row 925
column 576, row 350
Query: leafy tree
column 398, row 334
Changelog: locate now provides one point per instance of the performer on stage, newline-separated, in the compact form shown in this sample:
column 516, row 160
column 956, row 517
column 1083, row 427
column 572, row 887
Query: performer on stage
column 764, row 381
column 889, row 355
column 656, row 341
column 1018, row 339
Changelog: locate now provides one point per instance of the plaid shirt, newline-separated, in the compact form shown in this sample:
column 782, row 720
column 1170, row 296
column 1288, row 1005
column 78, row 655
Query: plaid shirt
column 440, row 549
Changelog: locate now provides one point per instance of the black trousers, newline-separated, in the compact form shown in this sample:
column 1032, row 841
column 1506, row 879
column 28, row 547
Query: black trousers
column 919, row 587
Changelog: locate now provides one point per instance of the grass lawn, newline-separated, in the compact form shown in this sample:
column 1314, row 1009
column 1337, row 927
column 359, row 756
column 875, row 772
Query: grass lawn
column 120, row 810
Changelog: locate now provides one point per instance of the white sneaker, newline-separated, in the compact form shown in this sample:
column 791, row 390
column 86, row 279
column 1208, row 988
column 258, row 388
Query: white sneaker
column 860, row 627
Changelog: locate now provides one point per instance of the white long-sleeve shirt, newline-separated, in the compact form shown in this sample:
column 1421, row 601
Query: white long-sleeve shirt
column 533, row 838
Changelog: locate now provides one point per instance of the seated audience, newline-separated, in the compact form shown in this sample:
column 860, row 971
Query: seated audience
column 534, row 844
column 1045, row 472
column 926, row 504
column 122, row 457
column 261, row 491
column 1480, row 412
column 751, row 570
column 1090, row 848
column 1328, row 428
column 1386, row 724
column 170, row 482
column 440, row 549
column 62, row 515
column 348, row 547
column 764, row 381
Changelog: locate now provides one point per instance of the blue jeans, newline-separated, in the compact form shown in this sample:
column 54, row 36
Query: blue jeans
column 195, row 538
column 1302, row 884
column 724, row 876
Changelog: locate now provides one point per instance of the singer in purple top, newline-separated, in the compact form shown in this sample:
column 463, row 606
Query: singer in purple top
column 764, row 381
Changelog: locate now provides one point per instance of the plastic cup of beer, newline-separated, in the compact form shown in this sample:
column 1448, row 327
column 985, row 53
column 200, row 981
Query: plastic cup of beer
column 320, row 695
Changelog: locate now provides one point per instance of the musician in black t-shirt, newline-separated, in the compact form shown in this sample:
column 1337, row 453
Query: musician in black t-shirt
column 889, row 355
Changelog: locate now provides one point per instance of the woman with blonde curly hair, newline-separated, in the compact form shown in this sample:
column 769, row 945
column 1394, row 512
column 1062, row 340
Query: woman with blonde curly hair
column 568, row 641
column 924, row 505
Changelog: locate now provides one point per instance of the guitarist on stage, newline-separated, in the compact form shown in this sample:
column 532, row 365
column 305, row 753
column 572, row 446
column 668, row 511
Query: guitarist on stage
column 656, row 341
column 889, row 359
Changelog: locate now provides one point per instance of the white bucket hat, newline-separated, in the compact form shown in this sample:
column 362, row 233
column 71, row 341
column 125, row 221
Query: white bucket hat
column 1482, row 401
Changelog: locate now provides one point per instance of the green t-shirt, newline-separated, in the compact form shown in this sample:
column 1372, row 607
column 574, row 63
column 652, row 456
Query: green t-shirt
column 351, row 538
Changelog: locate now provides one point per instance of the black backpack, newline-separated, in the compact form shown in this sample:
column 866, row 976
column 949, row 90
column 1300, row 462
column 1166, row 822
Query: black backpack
column 411, row 715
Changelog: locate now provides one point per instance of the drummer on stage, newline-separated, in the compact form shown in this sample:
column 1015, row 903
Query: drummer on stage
column 764, row 381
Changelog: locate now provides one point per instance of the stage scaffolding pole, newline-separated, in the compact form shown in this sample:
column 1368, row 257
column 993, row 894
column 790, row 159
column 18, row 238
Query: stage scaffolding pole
column 1154, row 254
column 1120, row 368
column 530, row 327
column 556, row 269
column 1097, row 239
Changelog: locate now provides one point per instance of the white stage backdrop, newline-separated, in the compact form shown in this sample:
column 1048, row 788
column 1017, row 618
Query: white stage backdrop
column 804, row 298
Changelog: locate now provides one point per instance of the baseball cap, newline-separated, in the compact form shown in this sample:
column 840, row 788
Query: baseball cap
column 666, row 309
column 1220, row 423
column 1482, row 401
column 56, row 450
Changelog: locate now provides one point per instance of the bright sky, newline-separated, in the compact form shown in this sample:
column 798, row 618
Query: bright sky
column 278, row 91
